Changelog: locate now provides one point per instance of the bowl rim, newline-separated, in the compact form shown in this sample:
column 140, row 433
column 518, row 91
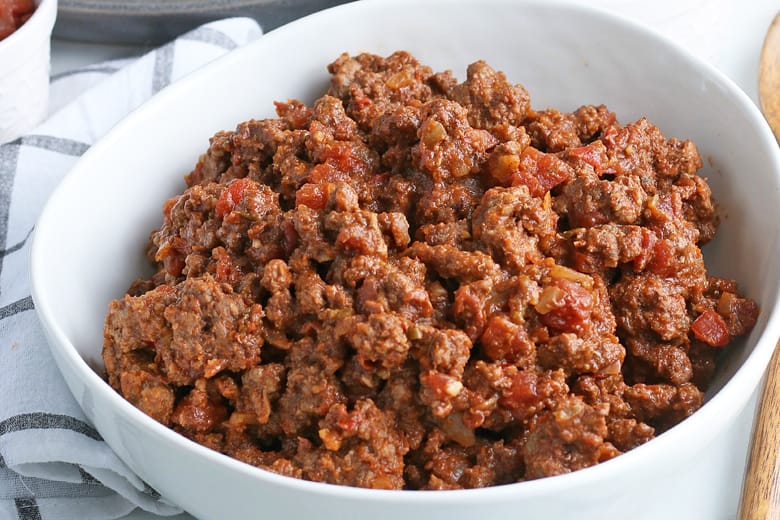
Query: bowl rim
column 711, row 417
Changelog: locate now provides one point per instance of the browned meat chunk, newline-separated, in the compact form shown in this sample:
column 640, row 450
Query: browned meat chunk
column 416, row 282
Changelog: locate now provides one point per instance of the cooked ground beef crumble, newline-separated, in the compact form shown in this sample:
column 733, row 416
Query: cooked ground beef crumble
column 416, row 283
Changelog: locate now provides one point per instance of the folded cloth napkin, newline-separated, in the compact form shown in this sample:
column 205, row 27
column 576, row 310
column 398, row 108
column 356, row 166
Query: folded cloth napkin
column 53, row 463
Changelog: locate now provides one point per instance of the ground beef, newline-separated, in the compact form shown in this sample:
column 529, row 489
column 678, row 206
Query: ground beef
column 416, row 283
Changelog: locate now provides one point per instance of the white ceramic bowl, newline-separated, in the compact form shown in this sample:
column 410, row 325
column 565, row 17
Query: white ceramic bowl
column 24, row 72
column 88, row 243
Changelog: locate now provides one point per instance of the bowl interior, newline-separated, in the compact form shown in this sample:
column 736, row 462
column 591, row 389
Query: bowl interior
column 90, row 240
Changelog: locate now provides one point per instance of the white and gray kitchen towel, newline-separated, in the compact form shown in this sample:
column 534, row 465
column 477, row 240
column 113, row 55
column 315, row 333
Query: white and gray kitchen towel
column 53, row 463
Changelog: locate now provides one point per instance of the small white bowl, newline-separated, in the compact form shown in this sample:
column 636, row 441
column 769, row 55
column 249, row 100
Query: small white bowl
column 24, row 72
column 89, row 241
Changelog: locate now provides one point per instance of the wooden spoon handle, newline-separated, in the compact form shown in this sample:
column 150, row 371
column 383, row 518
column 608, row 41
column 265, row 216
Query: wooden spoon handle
column 761, row 488
column 769, row 77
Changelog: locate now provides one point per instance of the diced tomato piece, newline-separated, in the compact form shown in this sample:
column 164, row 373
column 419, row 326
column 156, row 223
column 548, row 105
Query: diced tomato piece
column 341, row 161
column 564, row 305
column 312, row 195
column 649, row 241
column 594, row 154
column 614, row 137
column 326, row 172
column 227, row 270
column 232, row 196
column 341, row 154
column 662, row 258
column 540, row 171
column 321, row 172
column 523, row 391
column 711, row 328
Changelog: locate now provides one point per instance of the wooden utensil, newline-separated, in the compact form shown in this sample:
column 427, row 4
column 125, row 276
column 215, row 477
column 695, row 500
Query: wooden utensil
column 761, row 488
column 769, row 76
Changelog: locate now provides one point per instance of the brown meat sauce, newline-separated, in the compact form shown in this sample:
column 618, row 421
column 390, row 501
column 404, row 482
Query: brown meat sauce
column 416, row 283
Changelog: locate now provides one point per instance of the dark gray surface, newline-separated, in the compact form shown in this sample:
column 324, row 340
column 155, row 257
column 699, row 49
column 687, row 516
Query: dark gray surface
column 150, row 22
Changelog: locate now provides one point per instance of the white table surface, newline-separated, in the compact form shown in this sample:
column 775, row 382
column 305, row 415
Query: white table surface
column 733, row 44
